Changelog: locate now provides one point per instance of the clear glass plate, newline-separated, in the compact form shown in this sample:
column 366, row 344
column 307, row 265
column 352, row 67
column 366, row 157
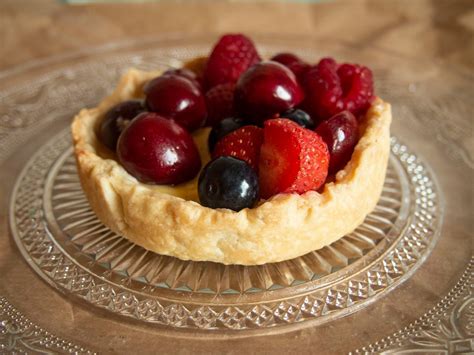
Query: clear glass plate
column 65, row 244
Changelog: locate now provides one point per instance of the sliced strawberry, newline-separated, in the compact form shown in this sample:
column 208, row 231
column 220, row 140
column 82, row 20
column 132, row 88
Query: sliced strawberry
column 292, row 159
column 243, row 143
column 231, row 56
column 220, row 103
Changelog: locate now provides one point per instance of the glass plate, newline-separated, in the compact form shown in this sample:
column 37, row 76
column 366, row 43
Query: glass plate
column 68, row 246
column 65, row 244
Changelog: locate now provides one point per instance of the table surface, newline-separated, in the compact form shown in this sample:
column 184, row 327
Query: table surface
column 428, row 31
column 438, row 30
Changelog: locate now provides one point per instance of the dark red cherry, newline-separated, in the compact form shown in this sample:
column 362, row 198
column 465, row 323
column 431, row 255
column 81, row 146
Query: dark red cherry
column 157, row 150
column 286, row 58
column 340, row 133
column 265, row 90
column 116, row 119
column 177, row 98
column 185, row 73
column 292, row 62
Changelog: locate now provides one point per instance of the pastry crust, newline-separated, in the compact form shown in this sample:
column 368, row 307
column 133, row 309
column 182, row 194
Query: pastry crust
column 284, row 227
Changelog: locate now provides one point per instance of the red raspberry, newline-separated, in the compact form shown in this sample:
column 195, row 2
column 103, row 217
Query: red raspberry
column 220, row 103
column 231, row 56
column 331, row 88
column 292, row 159
column 243, row 143
column 357, row 86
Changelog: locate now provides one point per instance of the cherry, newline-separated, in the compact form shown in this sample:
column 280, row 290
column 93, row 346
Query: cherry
column 340, row 133
column 177, row 98
column 292, row 62
column 116, row 119
column 158, row 150
column 265, row 90
column 185, row 73
column 286, row 58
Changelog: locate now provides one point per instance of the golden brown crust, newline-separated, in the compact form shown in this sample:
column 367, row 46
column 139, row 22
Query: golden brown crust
column 281, row 228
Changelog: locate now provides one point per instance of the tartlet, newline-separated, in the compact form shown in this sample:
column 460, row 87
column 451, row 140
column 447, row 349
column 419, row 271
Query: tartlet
column 169, row 220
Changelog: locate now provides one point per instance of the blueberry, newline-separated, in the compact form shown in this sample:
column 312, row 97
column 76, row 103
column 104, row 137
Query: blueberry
column 223, row 128
column 227, row 182
column 116, row 119
column 300, row 117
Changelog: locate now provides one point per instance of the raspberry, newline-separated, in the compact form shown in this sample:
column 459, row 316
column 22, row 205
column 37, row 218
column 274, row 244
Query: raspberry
column 357, row 86
column 220, row 103
column 231, row 56
column 332, row 88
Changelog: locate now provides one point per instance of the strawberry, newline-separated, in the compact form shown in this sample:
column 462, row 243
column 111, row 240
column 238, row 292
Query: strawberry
column 243, row 143
column 292, row 159
column 231, row 56
column 220, row 103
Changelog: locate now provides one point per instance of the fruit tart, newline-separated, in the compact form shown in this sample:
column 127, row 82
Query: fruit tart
column 234, row 158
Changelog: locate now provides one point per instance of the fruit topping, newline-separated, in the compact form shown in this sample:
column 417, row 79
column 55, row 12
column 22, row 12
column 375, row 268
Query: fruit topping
column 265, row 90
column 185, row 73
column 227, row 182
column 223, row 128
column 220, row 103
column 340, row 133
column 231, row 56
column 157, row 150
column 116, row 119
column 176, row 97
column 292, row 159
column 292, row 62
column 285, row 95
column 243, row 143
column 300, row 117
column 331, row 88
